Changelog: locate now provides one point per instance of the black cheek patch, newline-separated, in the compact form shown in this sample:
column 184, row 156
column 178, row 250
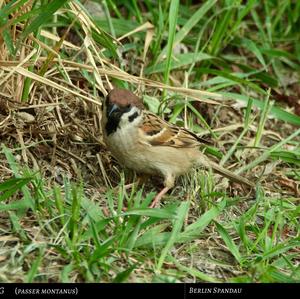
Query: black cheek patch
column 132, row 117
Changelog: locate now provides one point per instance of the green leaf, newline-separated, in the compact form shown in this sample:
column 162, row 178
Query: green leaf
column 222, row 27
column 200, row 275
column 121, row 26
column 287, row 156
column 76, row 193
column 173, row 14
column 134, row 235
column 228, row 241
column 154, row 104
column 12, row 6
column 189, row 24
column 95, row 228
column 64, row 276
column 266, row 154
column 232, row 77
column 151, row 212
column 251, row 46
column 28, row 202
column 103, row 250
column 279, row 249
column 181, row 214
column 19, row 205
column 275, row 111
column 153, row 237
column 122, row 276
column 35, row 266
column 194, row 230
column 178, row 61
column 47, row 13
column 11, row 183
column 278, row 276
column 92, row 209
column 8, row 41
column 17, row 226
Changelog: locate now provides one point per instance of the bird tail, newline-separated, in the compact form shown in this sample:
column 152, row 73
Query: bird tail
column 225, row 172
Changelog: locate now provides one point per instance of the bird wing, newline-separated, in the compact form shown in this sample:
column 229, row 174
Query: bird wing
column 157, row 132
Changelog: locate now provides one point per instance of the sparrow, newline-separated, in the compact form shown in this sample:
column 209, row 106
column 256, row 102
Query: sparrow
column 147, row 144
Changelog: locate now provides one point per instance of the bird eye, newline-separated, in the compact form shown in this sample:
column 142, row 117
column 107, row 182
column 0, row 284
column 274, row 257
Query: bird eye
column 127, row 107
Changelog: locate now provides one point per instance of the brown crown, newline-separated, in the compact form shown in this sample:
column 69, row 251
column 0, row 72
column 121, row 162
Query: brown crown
column 124, row 97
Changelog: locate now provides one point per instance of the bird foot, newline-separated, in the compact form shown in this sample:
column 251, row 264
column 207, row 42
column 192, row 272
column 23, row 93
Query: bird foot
column 158, row 197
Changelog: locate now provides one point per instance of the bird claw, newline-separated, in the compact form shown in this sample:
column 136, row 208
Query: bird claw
column 158, row 197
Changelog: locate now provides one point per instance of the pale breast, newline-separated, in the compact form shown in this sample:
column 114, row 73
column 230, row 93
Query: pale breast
column 127, row 147
column 161, row 160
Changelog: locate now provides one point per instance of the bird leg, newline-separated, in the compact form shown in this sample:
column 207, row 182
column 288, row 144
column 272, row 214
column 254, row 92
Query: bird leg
column 169, row 183
column 159, row 196
column 140, row 181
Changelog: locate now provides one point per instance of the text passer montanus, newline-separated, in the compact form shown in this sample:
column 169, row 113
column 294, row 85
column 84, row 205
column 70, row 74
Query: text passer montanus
column 142, row 141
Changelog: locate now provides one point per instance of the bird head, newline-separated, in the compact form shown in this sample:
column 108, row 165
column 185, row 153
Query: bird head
column 121, row 107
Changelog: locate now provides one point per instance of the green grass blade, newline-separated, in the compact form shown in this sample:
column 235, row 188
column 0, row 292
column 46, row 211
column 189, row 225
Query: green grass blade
column 92, row 209
column 12, row 186
column 228, row 241
column 190, row 23
column 179, row 61
column 181, row 214
column 173, row 13
column 35, row 266
column 65, row 273
column 280, row 249
column 17, row 226
column 288, row 156
column 47, row 12
column 267, row 153
column 221, row 29
column 133, row 236
column 14, row 167
column 238, row 140
column 275, row 111
column 194, row 230
column 95, row 229
column 151, row 212
column 122, row 276
column 76, row 193
column 200, row 275
column 264, row 114
column 234, row 78
column 6, row 33
column 252, row 47
column 201, row 118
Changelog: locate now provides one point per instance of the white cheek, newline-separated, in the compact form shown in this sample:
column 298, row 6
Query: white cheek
column 125, row 135
column 126, row 124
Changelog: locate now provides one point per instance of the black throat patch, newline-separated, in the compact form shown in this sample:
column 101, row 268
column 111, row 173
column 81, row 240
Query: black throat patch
column 113, row 119
column 112, row 124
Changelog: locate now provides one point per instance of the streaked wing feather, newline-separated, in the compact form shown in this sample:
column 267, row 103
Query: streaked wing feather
column 158, row 132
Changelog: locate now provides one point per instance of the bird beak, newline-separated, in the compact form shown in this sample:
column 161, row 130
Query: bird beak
column 112, row 108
